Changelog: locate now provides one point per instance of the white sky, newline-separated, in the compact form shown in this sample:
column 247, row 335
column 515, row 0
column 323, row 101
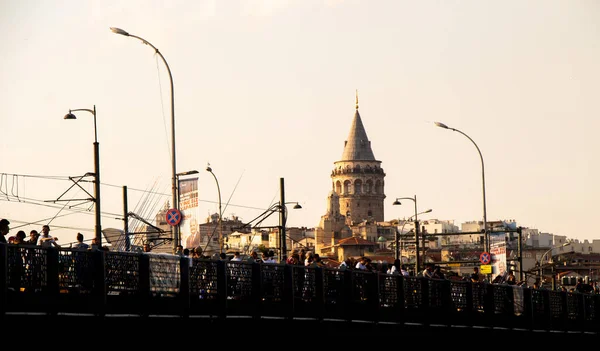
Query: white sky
column 265, row 89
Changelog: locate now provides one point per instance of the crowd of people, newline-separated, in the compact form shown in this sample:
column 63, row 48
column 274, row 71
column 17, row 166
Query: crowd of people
column 43, row 238
column 297, row 257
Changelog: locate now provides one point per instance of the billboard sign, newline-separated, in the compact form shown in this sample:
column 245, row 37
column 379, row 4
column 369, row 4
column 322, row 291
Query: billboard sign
column 189, row 232
column 498, row 252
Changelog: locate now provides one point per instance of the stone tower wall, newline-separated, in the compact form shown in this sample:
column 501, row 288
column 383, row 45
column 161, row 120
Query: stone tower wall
column 360, row 187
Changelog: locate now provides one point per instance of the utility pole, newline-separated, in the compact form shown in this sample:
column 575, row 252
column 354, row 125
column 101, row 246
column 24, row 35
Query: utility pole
column 126, row 220
column 282, row 219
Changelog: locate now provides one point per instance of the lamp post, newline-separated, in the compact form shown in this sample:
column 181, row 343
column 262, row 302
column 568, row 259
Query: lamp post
column 398, row 242
column 70, row 115
column 175, row 228
column 540, row 263
column 208, row 169
column 485, row 223
column 416, row 220
column 282, row 221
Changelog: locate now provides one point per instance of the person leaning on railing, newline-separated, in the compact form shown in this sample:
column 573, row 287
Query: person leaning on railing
column 46, row 240
column 33, row 237
column 4, row 229
column 475, row 275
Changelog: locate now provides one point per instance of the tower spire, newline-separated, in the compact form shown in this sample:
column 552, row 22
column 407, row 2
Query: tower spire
column 357, row 146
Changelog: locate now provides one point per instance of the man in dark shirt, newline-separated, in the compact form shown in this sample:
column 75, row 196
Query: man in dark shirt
column 80, row 245
column 475, row 275
column 4, row 229
column 511, row 279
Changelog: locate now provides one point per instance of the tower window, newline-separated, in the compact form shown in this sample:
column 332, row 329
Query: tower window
column 378, row 187
column 358, row 186
column 346, row 187
column 368, row 186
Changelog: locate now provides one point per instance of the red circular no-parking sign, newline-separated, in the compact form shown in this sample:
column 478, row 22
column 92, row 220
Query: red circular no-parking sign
column 485, row 258
column 173, row 216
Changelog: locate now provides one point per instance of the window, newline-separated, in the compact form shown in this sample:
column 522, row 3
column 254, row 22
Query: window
column 346, row 187
column 338, row 187
column 357, row 186
column 378, row 187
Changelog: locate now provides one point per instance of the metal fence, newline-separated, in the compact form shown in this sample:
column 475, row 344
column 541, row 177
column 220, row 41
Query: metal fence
column 53, row 281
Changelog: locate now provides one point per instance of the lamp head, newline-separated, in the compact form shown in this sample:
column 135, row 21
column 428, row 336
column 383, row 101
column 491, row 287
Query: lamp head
column 441, row 125
column 297, row 206
column 119, row 31
column 208, row 169
column 397, row 202
column 70, row 115
column 429, row 210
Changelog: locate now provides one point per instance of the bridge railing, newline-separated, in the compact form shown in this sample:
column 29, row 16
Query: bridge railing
column 52, row 281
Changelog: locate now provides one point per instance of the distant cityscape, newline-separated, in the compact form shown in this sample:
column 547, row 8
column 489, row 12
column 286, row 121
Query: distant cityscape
column 353, row 226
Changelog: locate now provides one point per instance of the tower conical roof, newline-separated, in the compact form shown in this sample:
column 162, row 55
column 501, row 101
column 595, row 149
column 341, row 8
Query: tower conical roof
column 358, row 146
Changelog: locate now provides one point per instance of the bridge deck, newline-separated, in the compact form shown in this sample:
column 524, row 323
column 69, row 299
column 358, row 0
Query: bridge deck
column 118, row 289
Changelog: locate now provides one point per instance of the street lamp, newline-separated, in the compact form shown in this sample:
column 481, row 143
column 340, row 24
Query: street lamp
column 282, row 209
column 208, row 169
column 175, row 228
column 401, row 233
column 70, row 115
column 485, row 224
column 413, row 199
column 283, row 219
column 541, row 271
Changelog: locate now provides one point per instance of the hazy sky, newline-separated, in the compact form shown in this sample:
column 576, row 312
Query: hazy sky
column 266, row 89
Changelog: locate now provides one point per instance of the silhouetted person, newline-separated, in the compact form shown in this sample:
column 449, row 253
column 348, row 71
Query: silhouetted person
column 4, row 229
column 475, row 275
column 80, row 245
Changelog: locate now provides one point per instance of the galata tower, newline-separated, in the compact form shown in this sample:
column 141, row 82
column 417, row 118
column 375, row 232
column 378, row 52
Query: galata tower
column 357, row 178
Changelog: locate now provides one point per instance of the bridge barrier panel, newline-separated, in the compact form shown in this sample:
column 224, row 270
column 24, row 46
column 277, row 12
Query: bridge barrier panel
column 55, row 281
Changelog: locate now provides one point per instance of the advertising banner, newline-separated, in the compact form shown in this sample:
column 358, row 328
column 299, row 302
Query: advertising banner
column 188, row 205
column 498, row 253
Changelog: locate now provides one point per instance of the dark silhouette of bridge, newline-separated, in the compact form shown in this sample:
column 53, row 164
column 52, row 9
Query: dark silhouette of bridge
column 119, row 289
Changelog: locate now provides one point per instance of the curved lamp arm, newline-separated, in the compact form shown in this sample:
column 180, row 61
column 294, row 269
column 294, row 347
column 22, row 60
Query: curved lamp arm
column 174, row 189
column 485, row 225
column 70, row 115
